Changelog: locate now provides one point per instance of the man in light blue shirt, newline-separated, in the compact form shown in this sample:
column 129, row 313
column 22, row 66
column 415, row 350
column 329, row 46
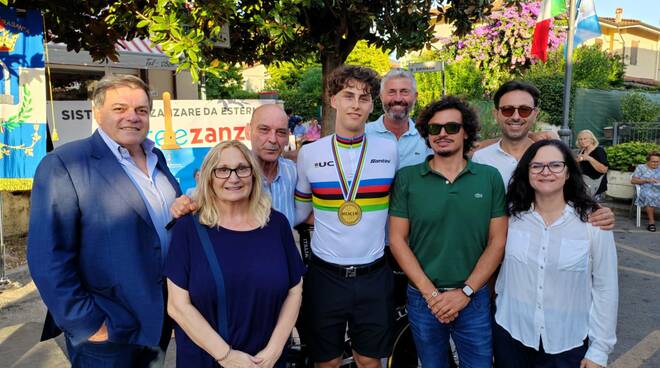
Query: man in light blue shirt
column 97, row 235
column 269, row 134
column 153, row 186
column 398, row 93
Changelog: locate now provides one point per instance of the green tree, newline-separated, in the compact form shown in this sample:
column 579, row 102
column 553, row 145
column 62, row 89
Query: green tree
column 464, row 79
column 637, row 108
column 300, row 83
column 226, row 84
column 286, row 74
column 593, row 68
column 370, row 56
column 304, row 98
column 259, row 31
column 429, row 84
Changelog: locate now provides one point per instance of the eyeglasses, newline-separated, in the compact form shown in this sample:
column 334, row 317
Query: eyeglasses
column 450, row 128
column 523, row 111
column 225, row 172
column 555, row 167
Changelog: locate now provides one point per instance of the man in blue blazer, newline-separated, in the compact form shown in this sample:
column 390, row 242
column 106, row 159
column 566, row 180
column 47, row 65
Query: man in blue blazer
column 97, row 237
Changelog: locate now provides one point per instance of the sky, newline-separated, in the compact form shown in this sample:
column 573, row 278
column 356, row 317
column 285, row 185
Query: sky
column 648, row 11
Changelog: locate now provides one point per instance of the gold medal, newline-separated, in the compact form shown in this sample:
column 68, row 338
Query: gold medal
column 349, row 213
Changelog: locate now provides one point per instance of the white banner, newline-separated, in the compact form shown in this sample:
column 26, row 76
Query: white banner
column 198, row 125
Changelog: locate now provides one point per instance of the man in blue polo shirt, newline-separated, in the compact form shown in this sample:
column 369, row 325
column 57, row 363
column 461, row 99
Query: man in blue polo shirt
column 398, row 93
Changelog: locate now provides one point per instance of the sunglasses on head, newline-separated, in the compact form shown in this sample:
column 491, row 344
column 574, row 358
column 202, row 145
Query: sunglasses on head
column 523, row 111
column 450, row 128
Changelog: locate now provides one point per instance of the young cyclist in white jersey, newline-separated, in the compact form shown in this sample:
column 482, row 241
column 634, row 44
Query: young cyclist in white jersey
column 345, row 180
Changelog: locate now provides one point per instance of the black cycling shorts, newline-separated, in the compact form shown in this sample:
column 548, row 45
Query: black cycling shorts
column 364, row 303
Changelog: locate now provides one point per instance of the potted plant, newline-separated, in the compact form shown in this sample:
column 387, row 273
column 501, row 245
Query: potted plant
column 623, row 158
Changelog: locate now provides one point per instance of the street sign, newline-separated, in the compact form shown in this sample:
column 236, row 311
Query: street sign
column 428, row 66
column 223, row 37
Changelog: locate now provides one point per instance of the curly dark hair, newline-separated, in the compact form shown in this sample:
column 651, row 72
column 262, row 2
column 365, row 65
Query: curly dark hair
column 520, row 194
column 468, row 115
column 346, row 75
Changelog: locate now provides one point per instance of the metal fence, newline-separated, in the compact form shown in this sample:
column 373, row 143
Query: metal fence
column 640, row 132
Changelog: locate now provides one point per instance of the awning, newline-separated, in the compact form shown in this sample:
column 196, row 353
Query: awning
column 137, row 45
column 136, row 54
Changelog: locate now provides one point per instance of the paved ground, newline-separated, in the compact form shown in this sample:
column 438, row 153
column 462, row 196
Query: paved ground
column 21, row 310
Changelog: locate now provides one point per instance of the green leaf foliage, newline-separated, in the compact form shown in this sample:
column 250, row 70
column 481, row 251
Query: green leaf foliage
column 302, row 95
column 463, row 78
column 637, row 108
column 370, row 56
column 258, row 31
column 626, row 156
column 593, row 68
column 226, row 83
column 549, row 79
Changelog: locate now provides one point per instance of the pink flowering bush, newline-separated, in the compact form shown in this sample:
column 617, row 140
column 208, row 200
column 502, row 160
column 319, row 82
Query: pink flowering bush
column 501, row 47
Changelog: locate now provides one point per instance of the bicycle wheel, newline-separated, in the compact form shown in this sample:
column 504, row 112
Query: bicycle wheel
column 404, row 353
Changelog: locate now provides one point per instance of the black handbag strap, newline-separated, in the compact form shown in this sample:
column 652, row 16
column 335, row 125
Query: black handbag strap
column 211, row 257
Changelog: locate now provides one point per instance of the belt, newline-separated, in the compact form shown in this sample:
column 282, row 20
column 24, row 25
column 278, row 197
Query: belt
column 350, row 271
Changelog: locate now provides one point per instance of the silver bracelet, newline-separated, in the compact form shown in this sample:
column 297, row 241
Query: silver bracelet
column 433, row 295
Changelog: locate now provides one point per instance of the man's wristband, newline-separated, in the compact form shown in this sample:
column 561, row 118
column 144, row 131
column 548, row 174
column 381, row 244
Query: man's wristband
column 467, row 290
column 219, row 360
column 433, row 295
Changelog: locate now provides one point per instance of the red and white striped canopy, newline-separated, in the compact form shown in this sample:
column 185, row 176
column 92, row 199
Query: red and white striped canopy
column 139, row 45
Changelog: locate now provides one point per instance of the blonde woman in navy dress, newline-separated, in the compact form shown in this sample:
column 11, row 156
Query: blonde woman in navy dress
column 261, row 269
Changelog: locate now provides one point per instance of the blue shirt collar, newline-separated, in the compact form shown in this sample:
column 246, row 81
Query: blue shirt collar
column 119, row 151
column 380, row 126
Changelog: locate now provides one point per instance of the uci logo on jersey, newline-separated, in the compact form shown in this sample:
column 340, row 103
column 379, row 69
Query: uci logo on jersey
column 324, row 164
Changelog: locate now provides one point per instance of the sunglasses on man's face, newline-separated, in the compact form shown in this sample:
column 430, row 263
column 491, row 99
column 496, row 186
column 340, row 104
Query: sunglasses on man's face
column 523, row 111
column 450, row 128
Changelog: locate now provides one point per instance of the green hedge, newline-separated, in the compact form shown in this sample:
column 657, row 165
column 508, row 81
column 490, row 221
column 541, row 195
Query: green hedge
column 626, row 156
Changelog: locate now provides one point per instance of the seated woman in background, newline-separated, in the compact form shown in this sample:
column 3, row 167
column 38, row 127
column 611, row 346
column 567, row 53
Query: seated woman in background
column 313, row 131
column 557, row 290
column 234, row 275
column 593, row 163
column 647, row 176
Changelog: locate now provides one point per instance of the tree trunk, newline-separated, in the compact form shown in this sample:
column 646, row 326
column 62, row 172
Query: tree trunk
column 329, row 61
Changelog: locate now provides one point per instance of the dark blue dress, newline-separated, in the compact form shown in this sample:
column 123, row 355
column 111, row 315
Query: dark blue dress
column 259, row 267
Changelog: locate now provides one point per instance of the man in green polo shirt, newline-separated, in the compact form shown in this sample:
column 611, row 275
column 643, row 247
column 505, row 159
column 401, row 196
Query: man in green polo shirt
column 447, row 232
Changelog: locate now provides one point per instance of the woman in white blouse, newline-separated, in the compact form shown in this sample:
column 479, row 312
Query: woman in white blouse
column 557, row 290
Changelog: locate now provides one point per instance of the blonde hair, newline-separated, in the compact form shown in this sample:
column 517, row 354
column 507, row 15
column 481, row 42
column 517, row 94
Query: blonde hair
column 259, row 201
column 590, row 134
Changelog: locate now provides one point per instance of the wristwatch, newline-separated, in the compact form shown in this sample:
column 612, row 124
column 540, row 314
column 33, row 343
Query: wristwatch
column 467, row 290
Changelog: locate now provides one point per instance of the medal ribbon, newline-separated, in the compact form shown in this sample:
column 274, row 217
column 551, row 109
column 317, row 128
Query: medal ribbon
column 349, row 193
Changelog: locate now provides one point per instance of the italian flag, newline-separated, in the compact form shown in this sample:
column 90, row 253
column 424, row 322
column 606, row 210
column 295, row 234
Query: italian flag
column 549, row 10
